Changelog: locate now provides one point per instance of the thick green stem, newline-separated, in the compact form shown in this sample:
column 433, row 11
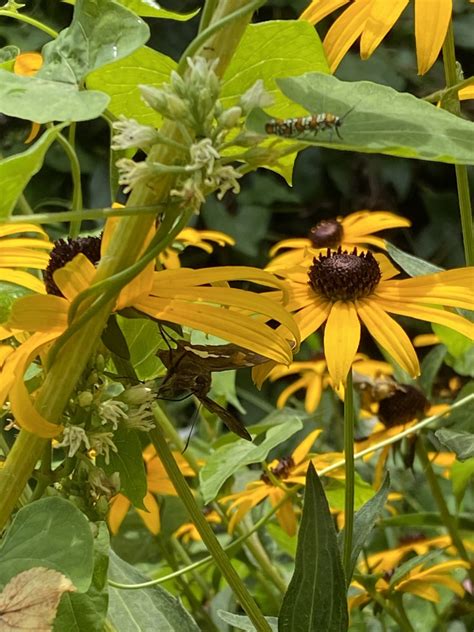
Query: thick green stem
column 123, row 251
column 206, row 533
column 451, row 74
column 349, row 470
column 170, row 432
column 71, row 216
column 448, row 520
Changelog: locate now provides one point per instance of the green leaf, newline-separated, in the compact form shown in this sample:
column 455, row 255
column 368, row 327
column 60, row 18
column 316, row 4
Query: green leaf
column 16, row 171
column 458, row 441
column 336, row 490
column 410, row 264
column 128, row 461
column 382, row 120
column 101, row 32
column 50, row 532
column 143, row 339
column 145, row 609
column 405, row 568
column 114, row 340
column 9, row 292
column 8, row 55
column 145, row 66
column 427, row 519
column 316, row 597
column 43, row 101
column 86, row 612
column 364, row 522
column 241, row 622
column 430, row 367
column 151, row 9
column 461, row 475
column 280, row 48
column 230, row 457
column 459, row 347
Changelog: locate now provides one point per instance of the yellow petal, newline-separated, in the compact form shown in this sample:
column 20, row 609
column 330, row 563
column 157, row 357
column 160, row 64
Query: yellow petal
column 318, row 9
column 42, row 312
column 345, row 30
column 231, row 326
column 468, row 91
column 419, row 588
column 289, row 390
column 388, row 334
column 297, row 242
column 363, row 223
column 426, row 340
column 22, row 407
column 204, row 276
column 25, row 279
column 13, row 229
column 34, row 131
column 140, row 286
column 76, row 276
column 383, row 16
column 27, row 64
column 151, row 518
column 119, row 506
column 430, row 314
column 431, row 24
column 313, row 394
column 341, row 340
column 305, row 446
column 310, row 318
column 286, row 516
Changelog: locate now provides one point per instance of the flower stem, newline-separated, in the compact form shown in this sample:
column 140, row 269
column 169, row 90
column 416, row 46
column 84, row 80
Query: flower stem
column 206, row 533
column 76, row 202
column 170, row 432
column 349, row 472
column 451, row 74
column 448, row 520
column 93, row 213
column 26, row 18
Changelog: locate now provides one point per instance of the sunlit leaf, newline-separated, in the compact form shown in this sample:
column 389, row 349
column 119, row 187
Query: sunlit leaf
column 458, row 441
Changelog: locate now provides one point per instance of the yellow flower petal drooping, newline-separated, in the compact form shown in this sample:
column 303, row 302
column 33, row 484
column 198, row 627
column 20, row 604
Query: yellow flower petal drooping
column 373, row 19
column 18, row 254
column 27, row 65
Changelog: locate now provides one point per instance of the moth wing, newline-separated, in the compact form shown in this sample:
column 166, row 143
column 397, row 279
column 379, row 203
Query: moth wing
column 232, row 423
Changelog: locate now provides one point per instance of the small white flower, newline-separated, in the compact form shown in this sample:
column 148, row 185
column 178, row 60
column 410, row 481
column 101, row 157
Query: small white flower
column 130, row 173
column 255, row 97
column 224, row 179
column 102, row 443
column 113, row 411
column 73, row 438
column 203, row 154
column 130, row 133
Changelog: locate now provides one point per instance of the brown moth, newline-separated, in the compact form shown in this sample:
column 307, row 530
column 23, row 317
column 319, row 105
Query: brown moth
column 190, row 368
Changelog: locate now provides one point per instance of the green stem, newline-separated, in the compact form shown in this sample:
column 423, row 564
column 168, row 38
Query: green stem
column 450, row 71
column 350, row 479
column 206, row 533
column 441, row 95
column 23, row 206
column 170, row 432
column 93, row 213
column 448, row 520
column 26, row 18
column 395, row 613
column 76, row 202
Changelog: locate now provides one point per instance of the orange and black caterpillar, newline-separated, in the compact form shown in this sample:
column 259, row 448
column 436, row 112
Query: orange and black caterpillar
column 312, row 123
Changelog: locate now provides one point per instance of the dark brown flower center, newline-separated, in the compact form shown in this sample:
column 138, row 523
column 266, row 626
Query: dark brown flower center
column 327, row 234
column 402, row 405
column 281, row 470
column 65, row 251
column 343, row 276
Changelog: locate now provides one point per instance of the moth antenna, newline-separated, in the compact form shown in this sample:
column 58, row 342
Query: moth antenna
column 191, row 430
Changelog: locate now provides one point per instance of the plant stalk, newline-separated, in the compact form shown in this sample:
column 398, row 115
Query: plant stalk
column 350, row 478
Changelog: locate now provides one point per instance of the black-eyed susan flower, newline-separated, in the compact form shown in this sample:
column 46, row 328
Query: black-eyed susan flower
column 157, row 483
column 27, row 65
column 188, row 533
column 371, row 20
column 183, row 296
column 356, row 229
column 274, row 482
column 420, row 581
column 346, row 289
column 314, row 377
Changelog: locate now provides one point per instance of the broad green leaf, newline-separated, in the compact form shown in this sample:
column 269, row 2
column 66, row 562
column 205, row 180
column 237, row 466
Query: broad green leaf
column 7, row 57
column 377, row 119
column 42, row 101
column 430, row 367
column 86, row 612
column 143, row 339
column 316, row 597
column 144, row 66
column 230, row 457
column 280, row 48
column 145, row 609
column 101, row 32
column 50, row 532
column 241, row 622
column 128, row 462
column 364, row 522
column 460, row 348
column 410, row 264
column 151, row 9
column 461, row 474
column 16, row 171
column 335, row 491
column 9, row 292
column 458, row 441
column 427, row 519
column 114, row 340
column 285, row 543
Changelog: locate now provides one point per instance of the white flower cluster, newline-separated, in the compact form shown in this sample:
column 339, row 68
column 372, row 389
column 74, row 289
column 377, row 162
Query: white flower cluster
column 205, row 130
